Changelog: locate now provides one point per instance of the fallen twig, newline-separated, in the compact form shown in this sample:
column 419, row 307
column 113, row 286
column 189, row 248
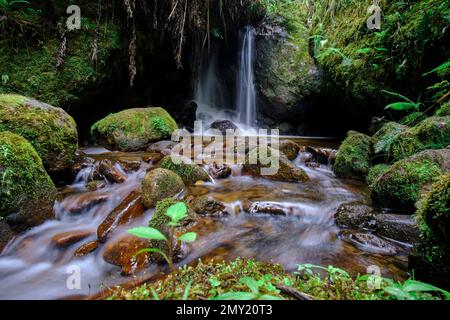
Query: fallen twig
column 294, row 293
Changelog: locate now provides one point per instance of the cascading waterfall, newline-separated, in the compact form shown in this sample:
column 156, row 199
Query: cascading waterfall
column 211, row 95
column 246, row 95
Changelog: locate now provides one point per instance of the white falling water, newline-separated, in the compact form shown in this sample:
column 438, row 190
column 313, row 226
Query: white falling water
column 246, row 96
column 212, row 97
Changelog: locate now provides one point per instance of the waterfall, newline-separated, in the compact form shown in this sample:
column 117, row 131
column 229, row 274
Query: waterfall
column 246, row 96
column 211, row 95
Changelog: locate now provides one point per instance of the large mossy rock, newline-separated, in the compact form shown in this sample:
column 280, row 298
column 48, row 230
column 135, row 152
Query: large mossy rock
column 432, row 133
column 134, row 129
column 431, row 259
column 279, row 167
column 50, row 130
column 188, row 171
column 27, row 193
column 353, row 158
column 400, row 186
column 444, row 110
column 160, row 184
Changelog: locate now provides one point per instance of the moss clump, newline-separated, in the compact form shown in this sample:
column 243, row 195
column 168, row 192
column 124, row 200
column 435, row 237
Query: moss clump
column 353, row 156
column 31, row 66
column 375, row 172
column 400, row 186
column 432, row 133
column 384, row 137
column 433, row 216
column 413, row 119
column 134, row 129
column 159, row 184
column 27, row 192
column 444, row 110
column 50, row 130
column 189, row 172
column 211, row 279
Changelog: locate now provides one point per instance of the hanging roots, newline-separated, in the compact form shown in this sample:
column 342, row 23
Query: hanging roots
column 62, row 51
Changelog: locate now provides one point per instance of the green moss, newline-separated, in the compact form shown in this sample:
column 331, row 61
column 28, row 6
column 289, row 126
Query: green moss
column 50, row 130
column 24, row 182
column 159, row 184
column 413, row 119
column 384, row 137
column 375, row 172
column 134, row 129
column 399, row 187
column 208, row 280
column 189, row 172
column 444, row 110
column 353, row 156
column 405, row 144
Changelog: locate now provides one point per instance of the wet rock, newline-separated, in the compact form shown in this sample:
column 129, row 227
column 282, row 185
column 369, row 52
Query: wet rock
column 121, row 252
column 220, row 171
column 205, row 205
column 160, row 221
column 95, row 185
column 81, row 161
column 286, row 170
column 130, row 208
column 27, row 193
column 134, row 129
column 289, row 148
column 400, row 186
column 398, row 227
column 85, row 202
column 86, row 248
column 110, row 172
column 355, row 215
column 353, row 158
column 271, row 208
column 370, row 243
column 66, row 239
column 6, row 234
column 129, row 165
column 322, row 155
column 164, row 147
column 159, row 184
column 50, row 130
column 188, row 171
column 223, row 126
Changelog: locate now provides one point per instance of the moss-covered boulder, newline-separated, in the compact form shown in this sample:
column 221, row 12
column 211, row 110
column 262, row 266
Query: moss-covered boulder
column 413, row 118
column 432, row 133
column 384, row 137
column 375, row 172
column 160, row 184
column 279, row 168
column 289, row 148
column 160, row 221
column 400, row 186
column 188, row 171
column 431, row 259
column 27, row 193
column 50, row 130
column 133, row 129
column 353, row 158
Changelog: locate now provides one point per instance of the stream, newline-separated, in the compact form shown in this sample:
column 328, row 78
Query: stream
column 37, row 263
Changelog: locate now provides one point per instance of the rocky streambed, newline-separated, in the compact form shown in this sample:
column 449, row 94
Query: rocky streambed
column 236, row 215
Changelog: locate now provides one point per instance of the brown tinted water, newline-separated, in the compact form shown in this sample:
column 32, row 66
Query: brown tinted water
column 33, row 266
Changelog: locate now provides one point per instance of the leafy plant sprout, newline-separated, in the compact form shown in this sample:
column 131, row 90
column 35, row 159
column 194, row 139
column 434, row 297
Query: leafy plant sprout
column 176, row 213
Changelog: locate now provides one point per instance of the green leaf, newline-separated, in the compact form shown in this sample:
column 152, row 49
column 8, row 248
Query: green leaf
column 400, row 106
column 413, row 285
column 251, row 283
column 236, row 296
column 398, row 293
column 269, row 297
column 186, row 291
column 364, row 50
column 147, row 233
column 177, row 212
column 397, row 95
column 154, row 294
column 442, row 67
column 188, row 237
column 214, row 282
